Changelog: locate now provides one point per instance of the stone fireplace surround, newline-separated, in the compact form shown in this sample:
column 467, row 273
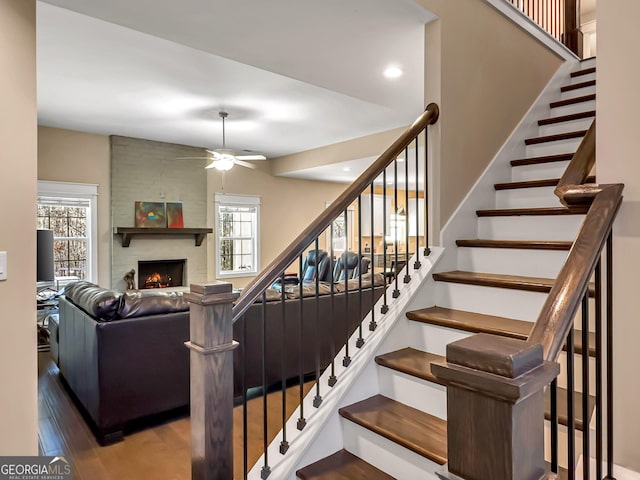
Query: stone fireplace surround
column 145, row 170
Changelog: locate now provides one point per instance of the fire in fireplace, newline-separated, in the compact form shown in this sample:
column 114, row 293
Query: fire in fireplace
column 160, row 273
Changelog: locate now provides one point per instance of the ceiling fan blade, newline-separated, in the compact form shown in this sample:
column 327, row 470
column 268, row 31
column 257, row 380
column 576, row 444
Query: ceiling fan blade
column 244, row 164
column 193, row 158
column 251, row 157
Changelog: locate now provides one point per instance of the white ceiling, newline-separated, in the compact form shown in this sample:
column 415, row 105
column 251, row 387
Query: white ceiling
column 293, row 74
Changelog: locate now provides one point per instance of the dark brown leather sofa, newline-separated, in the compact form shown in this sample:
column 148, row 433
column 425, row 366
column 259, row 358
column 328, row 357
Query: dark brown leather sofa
column 123, row 355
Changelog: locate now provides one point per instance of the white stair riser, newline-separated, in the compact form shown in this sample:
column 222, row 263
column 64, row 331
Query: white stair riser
column 577, row 373
column 543, row 227
column 533, row 263
column 582, row 78
column 539, row 171
column 588, row 63
column 565, row 127
column 573, row 108
column 426, row 396
column 527, row 198
column 579, row 92
column 386, row 455
column 552, row 148
column 562, row 444
column 502, row 302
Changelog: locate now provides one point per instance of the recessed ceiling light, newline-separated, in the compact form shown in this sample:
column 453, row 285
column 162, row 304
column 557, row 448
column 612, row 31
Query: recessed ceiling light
column 346, row 169
column 392, row 72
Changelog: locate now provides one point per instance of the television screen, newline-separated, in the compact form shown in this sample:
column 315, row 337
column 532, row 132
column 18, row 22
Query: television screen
column 45, row 256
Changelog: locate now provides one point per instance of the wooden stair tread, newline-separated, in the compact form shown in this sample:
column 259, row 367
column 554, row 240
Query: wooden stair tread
column 555, row 138
column 513, row 282
column 510, row 212
column 418, row 364
column 480, row 323
column 584, row 71
column 342, row 465
column 515, row 244
column 562, row 157
column 412, row 362
column 567, row 118
column 573, row 101
column 547, row 182
column 409, row 427
column 576, row 86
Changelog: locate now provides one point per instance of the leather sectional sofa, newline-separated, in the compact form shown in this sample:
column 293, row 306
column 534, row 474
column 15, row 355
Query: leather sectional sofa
column 123, row 357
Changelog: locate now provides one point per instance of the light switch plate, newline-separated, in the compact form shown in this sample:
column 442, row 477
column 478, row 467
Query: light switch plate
column 3, row 265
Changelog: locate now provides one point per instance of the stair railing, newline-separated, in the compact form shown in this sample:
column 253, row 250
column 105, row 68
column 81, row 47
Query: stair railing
column 559, row 18
column 495, row 385
column 273, row 345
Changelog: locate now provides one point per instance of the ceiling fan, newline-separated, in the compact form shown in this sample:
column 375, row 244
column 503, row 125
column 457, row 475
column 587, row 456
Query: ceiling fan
column 224, row 159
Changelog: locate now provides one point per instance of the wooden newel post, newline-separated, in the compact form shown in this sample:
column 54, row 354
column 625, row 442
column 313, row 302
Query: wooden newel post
column 495, row 408
column 211, row 346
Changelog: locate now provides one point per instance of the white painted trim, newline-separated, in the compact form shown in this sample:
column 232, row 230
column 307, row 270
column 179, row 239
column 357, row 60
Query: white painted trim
column 79, row 190
column 532, row 28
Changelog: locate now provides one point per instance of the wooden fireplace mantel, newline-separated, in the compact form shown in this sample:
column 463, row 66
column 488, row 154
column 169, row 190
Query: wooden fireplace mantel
column 127, row 232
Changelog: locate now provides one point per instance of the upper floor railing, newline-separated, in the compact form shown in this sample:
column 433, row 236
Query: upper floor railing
column 560, row 18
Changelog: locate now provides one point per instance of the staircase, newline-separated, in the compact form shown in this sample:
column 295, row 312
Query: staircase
column 498, row 287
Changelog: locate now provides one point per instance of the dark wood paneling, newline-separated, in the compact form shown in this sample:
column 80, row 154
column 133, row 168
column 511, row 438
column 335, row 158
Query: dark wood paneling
column 342, row 465
column 420, row 432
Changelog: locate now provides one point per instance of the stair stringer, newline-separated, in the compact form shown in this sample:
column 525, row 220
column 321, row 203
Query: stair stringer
column 464, row 222
column 322, row 435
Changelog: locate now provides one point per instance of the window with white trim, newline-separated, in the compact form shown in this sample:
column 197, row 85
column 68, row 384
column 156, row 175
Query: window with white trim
column 69, row 209
column 237, row 235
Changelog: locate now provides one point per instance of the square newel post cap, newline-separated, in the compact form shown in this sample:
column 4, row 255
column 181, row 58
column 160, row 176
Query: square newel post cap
column 500, row 367
column 211, row 293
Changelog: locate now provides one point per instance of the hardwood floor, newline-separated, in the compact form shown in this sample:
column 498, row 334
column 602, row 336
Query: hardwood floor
column 161, row 451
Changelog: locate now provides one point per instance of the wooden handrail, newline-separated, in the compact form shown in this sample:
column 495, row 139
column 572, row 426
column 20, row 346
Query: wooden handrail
column 556, row 317
column 297, row 247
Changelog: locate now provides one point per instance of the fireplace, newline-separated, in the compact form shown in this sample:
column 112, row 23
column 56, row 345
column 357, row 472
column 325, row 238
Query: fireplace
column 160, row 273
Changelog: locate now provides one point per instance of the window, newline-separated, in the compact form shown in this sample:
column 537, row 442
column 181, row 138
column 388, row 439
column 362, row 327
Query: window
column 237, row 232
column 69, row 210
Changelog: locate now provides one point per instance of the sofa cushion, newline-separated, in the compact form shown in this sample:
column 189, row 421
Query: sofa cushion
column 98, row 302
column 151, row 302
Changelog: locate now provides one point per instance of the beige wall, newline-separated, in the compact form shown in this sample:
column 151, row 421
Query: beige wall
column 490, row 72
column 70, row 156
column 618, row 151
column 18, row 137
column 288, row 206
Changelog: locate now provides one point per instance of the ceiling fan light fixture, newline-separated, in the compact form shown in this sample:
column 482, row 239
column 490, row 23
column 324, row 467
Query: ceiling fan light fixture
column 222, row 164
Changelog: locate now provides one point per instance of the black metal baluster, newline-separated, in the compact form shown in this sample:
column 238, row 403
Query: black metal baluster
column 266, row 470
column 586, row 458
column 284, row 444
column 332, row 378
column 599, row 347
column 385, row 307
column 609, row 265
column 427, row 250
column 347, row 358
column 360, row 341
column 407, row 277
column 372, row 324
column 302, row 422
column 417, row 263
column 317, row 400
column 553, row 393
column 245, row 419
column 571, row 418
column 396, row 270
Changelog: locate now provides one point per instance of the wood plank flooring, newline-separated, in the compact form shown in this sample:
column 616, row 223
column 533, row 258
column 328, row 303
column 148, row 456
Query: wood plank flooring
column 161, row 451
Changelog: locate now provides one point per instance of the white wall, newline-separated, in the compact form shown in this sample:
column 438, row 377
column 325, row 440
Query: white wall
column 618, row 153
column 18, row 157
